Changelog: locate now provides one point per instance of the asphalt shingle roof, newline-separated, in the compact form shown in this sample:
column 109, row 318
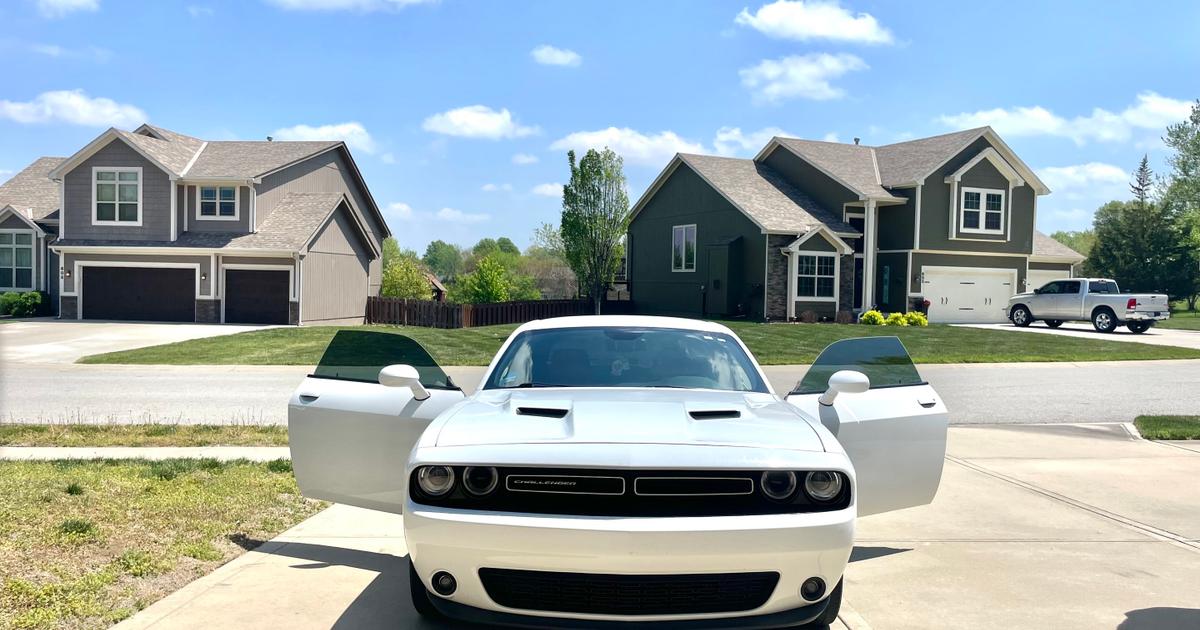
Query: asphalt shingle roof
column 173, row 154
column 853, row 164
column 1046, row 246
column 246, row 159
column 765, row 195
column 31, row 191
column 290, row 227
column 905, row 162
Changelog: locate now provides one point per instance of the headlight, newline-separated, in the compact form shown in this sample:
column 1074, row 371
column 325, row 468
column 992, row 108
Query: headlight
column 435, row 480
column 778, row 484
column 480, row 480
column 822, row 485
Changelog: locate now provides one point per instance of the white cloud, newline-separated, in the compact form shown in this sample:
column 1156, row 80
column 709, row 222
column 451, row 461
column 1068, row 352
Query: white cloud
column 73, row 107
column 93, row 53
column 548, row 55
column 548, row 190
column 60, row 8
column 496, row 187
column 523, row 159
column 5, row 173
column 347, row 5
column 799, row 76
column 1086, row 181
column 387, row 158
column 197, row 11
column 400, row 210
column 804, row 21
column 732, row 141
column 458, row 216
column 830, row 137
column 352, row 133
column 477, row 121
column 636, row 147
column 1150, row 111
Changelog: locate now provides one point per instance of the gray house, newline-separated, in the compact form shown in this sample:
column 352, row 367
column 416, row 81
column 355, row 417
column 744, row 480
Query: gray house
column 829, row 227
column 155, row 225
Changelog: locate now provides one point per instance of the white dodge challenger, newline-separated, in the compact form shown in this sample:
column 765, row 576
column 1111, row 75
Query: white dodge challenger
column 615, row 469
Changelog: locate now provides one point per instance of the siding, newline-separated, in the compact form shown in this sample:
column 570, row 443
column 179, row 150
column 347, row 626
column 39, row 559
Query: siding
column 936, row 208
column 156, row 198
column 823, row 189
column 685, row 198
column 69, row 261
column 953, row 260
column 335, row 271
column 1045, row 266
column 242, row 225
column 14, row 223
column 896, row 222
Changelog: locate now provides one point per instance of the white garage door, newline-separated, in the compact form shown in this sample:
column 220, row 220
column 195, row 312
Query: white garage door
column 1038, row 277
column 961, row 295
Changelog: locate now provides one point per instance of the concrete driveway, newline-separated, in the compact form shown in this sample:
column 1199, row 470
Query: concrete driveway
column 64, row 341
column 1155, row 336
column 1034, row 527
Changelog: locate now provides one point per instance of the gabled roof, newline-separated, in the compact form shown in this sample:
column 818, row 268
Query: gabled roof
column 1045, row 247
column 851, row 165
column 175, row 155
column 763, row 195
column 31, row 192
column 7, row 211
column 906, row 162
column 239, row 159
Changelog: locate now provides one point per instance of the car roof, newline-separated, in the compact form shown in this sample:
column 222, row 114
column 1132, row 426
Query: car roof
column 640, row 321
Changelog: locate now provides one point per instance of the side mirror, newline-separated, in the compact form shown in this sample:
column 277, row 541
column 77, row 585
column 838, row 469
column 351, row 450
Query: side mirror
column 1037, row 291
column 404, row 376
column 844, row 382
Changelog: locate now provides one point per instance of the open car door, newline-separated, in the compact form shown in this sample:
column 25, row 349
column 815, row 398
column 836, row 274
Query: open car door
column 894, row 433
column 350, row 435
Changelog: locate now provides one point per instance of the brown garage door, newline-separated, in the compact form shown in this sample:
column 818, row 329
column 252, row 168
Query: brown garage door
column 254, row 296
column 139, row 293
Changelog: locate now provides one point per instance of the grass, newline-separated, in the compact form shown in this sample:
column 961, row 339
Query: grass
column 1182, row 320
column 1168, row 427
column 772, row 344
column 141, row 435
column 85, row 544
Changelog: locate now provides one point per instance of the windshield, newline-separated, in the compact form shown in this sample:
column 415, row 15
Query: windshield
column 624, row 356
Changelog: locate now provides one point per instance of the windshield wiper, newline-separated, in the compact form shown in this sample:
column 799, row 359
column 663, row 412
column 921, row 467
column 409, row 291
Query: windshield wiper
column 532, row 384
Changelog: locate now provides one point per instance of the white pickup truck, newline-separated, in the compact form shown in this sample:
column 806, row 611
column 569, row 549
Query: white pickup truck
column 1097, row 300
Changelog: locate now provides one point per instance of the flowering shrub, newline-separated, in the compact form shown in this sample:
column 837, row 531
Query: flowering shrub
column 916, row 318
column 896, row 319
column 872, row 318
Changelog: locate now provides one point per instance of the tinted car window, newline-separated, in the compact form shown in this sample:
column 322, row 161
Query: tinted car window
column 1102, row 286
column 1051, row 288
column 625, row 356
column 1070, row 286
column 884, row 360
column 358, row 355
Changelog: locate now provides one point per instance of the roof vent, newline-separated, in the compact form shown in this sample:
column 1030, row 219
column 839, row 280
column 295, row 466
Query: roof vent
column 856, row 141
column 270, row 139
column 714, row 414
column 542, row 412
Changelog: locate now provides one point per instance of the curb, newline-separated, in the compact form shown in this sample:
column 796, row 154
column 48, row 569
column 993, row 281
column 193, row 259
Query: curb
column 1132, row 430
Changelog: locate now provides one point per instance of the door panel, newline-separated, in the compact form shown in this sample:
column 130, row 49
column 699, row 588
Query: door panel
column 161, row 294
column 894, row 433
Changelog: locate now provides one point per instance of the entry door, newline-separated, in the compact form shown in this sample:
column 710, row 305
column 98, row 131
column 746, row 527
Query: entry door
column 717, row 289
column 967, row 295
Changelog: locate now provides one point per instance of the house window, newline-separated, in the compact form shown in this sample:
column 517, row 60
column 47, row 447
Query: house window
column 16, row 261
column 816, row 276
column 683, row 248
column 983, row 210
column 218, row 202
column 118, row 196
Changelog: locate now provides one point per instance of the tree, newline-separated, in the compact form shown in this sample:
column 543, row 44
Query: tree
column 547, row 238
column 595, row 218
column 485, row 246
column 1142, row 185
column 404, row 278
column 489, row 282
column 1182, row 192
column 1081, row 241
column 443, row 259
column 391, row 251
column 1140, row 247
column 506, row 246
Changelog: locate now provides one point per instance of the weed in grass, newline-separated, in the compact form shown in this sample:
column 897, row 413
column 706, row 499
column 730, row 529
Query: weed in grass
column 77, row 530
column 200, row 550
column 159, row 430
column 172, row 468
column 74, row 488
column 139, row 563
column 280, row 465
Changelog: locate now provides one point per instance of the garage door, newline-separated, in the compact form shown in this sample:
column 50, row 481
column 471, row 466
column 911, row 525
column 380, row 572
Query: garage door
column 139, row 293
column 256, row 296
column 960, row 295
column 1038, row 277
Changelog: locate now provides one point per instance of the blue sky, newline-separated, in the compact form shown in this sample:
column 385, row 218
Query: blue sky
column 460, row 113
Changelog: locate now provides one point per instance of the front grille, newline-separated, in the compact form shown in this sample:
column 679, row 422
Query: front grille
column 603, row 594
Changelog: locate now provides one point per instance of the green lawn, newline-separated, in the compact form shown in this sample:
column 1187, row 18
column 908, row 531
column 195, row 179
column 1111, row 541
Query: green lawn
column 85, row 544
column 1182, row 320
column 1168, row 427
column 772, row 344
column 141, row 435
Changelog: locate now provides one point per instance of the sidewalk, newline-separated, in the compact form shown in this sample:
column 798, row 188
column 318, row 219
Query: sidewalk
column 223, row 453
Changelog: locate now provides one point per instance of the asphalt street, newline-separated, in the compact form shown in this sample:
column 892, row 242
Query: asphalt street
column 1114, row 391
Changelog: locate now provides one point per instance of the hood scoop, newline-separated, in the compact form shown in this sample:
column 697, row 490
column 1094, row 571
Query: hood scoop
column 714, row 414
column 542, row 412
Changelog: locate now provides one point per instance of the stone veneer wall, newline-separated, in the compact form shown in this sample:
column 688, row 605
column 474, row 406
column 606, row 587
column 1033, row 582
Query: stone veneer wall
column 293, row 313
column 67, row 307
column 846, row 285
column 777, row 276
column 208, row 311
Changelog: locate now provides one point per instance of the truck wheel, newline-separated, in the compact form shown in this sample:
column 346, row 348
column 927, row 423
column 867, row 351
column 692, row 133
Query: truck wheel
column 1138, row 328
column 1054, row 323
column 1021, row 316
column 1103, row 320
column 420, row 596
column 834, row 606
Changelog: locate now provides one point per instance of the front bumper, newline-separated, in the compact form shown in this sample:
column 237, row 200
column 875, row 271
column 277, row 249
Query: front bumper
column 796, row 546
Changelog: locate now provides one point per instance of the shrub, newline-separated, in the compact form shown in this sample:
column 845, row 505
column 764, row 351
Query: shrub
column 808, row 317
column 872, row 318
column 896, row 319
column 17, row 304
column 916, row 318
column 844, row 317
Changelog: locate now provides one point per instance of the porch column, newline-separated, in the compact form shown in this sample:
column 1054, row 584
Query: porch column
column 870, row 245
column 791, row 284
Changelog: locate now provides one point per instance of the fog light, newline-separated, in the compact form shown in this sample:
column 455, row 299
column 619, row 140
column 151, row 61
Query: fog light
column 823, row 485
column 480, row 480
column 778, row 484
column 435, row 480
column 812, row 589
column 444, row 584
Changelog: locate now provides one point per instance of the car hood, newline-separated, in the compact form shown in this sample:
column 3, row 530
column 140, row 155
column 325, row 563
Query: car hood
column 1021, row 295
column 628, row 416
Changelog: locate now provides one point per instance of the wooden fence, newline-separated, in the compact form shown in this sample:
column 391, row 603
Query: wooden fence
column 385, row 310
